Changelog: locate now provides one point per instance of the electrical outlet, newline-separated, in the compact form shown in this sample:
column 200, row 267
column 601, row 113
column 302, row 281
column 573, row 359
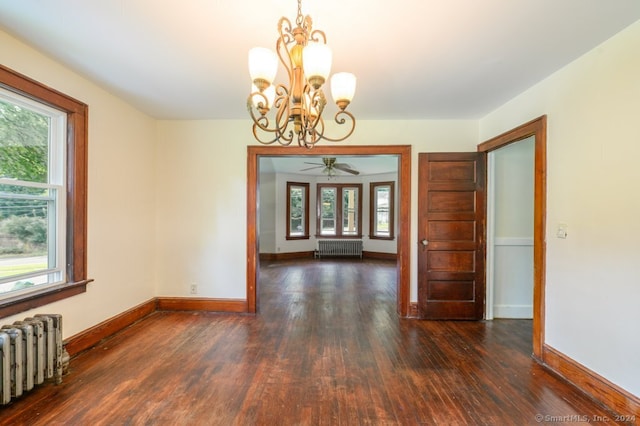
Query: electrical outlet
column 193, row 289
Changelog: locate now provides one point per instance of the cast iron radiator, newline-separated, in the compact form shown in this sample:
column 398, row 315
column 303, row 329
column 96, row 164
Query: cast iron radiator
column 31, row 352
column 340, row 248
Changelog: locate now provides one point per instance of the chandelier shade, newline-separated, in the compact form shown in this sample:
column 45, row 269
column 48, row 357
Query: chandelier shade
column 263, row 65
column 316, row 60
column 343, row 87
column 284, row 113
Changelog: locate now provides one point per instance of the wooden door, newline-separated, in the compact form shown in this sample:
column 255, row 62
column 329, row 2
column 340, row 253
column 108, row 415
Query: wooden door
column 451, row 219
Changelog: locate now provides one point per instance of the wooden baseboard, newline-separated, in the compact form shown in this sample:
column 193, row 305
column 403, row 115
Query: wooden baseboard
column 287, row 256
column 201, row 304
column 413, row 310
column 379, row 255
column 91, row 336
column 309, row 254
column 597, row 387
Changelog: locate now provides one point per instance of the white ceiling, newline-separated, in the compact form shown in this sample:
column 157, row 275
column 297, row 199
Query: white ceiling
column 414, row 59
column 365, row 164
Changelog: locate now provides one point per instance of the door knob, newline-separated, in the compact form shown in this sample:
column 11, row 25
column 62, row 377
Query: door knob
column 424, row 242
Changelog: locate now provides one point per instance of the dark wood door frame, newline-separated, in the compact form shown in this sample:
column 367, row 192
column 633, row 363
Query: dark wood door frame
column 404, row 210
column 538, row 129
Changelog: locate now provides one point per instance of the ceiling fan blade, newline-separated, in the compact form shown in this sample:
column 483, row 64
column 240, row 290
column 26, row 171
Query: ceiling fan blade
column 345, row 168
column 317, row 164
column 310, row 168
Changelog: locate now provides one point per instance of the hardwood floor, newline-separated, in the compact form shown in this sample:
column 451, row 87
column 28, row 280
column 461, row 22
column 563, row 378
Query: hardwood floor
column 327, row 348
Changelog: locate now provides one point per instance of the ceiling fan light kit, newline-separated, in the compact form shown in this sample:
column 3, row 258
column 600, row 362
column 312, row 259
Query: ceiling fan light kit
column 299, row 105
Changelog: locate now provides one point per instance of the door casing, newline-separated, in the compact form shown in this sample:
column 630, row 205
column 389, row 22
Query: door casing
column 404, row 206
column 538, row 129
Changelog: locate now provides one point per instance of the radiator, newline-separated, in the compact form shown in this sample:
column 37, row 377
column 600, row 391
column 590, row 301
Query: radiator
column 340, row 248
column 31, row 353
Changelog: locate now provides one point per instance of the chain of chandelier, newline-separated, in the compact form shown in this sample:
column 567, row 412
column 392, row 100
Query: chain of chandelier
column 298, row 107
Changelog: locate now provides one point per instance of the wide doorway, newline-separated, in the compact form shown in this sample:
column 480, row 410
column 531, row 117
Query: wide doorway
column 403, row 154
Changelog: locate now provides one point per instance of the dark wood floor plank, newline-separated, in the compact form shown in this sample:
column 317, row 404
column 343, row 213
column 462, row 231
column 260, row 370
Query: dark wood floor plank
column 326, row 348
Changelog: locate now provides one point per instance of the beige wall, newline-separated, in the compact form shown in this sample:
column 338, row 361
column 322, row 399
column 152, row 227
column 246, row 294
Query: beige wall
column 268, row 212
column 593, row 277
column 201, row 211
column 121, row 243
column 201, row 182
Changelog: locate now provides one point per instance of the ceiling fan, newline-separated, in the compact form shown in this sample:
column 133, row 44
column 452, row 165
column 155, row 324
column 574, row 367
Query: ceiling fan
column 330, row 167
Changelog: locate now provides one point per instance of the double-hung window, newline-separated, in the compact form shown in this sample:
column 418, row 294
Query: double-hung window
column 297, row 210
column 43, row 162
column 32, row 194
column 339, row 212
column 381, row 212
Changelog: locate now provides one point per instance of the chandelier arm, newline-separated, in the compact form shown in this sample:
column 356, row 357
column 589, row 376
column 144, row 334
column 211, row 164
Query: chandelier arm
column 261, row 121
column 307, row 26
column 262, row 124
column 308, row 145
column 283, row 112
column 318, row 36
column 282, row 46
column 307, row 139
column 260, row 108
column 261, row 129
column 256, row 130
column 279, row 134
column 340, row 119
column 316, row 101
column 285, row 30
column 310, row 137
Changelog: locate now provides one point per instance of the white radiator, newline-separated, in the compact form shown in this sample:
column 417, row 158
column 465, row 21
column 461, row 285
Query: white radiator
column 340, row 248
column 31, row 352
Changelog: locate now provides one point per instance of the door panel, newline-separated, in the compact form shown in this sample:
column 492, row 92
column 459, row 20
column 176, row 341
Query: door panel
column 451, row 223
column 452, row 230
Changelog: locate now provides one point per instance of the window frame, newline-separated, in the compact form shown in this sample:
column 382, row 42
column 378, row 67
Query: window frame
column 54, row 198
column 305, row 235
column 339, row 210
column 76, row 188
column 373, row 209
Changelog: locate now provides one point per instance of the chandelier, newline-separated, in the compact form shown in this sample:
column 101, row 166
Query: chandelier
column 299, row 106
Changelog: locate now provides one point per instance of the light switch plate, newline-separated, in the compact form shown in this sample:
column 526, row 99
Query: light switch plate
column 562, row 231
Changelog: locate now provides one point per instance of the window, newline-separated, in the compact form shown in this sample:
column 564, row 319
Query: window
column 32, row 195
column 381, row 215
column 43, row 137
column 338, row 210
column 297, row 211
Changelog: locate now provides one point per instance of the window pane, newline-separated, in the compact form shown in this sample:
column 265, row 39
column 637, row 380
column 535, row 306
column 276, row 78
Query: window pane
column 328, row 219
column 27, row 237
column 296, row 209
column 382, row 225
column 297, row 227
column 350, row 211
column 24, row 143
